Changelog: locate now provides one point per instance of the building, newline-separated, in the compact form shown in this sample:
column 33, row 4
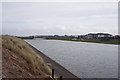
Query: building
column 97, row 35
column 81, row 37
column 116, row 37
column 91, row 36
column 103, row 35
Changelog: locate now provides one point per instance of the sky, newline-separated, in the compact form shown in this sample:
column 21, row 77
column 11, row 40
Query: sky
column 70, row 18
column 59, row 0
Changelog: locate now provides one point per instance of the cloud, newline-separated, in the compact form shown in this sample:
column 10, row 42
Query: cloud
column 59, row 18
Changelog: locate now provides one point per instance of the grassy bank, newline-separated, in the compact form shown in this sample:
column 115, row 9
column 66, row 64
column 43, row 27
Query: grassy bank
column 111, row 41
column 30, row 61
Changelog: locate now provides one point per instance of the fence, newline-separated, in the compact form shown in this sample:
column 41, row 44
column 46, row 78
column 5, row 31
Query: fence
column 53, row 78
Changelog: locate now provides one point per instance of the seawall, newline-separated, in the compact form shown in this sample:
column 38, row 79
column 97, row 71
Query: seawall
column 59, row 70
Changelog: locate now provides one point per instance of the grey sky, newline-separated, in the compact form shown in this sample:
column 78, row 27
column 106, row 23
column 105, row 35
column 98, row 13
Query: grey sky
column 59, row 0
column 23, row 18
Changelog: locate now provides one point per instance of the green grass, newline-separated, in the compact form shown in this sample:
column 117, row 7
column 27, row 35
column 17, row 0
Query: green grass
column 20, row 48
column 111, row 41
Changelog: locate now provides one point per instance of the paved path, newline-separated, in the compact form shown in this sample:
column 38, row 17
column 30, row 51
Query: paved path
column 59, row 70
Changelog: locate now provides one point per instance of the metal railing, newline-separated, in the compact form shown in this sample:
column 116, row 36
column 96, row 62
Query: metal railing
column 53, row 78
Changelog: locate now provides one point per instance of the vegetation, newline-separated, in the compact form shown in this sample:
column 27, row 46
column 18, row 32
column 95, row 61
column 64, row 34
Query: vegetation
column 110, row 41
column 21, row 49
column 29, row 37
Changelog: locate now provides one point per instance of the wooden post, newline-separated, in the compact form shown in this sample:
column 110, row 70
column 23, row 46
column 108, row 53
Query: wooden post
column 52, row 73
column 60, row 77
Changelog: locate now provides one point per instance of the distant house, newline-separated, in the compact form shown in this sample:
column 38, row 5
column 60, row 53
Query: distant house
column 81, row 37
column 97, row 35
column 103, row 35
column 116, row 37
column 91, row 36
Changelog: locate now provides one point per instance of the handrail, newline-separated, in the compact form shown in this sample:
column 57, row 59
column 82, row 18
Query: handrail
column 61, row 78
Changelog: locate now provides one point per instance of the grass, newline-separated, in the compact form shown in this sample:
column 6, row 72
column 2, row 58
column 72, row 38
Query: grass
column 20, row 48
column 111, row 41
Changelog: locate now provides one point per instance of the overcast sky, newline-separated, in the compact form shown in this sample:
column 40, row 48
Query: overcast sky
column 31, row 18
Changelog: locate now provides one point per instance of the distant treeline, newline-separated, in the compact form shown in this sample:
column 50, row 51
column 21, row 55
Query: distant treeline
column 27, row 37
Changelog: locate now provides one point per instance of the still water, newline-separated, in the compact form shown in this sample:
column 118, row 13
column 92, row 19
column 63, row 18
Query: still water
column 86, row 60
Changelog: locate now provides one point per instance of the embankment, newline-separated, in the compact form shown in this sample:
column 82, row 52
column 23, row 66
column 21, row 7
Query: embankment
column 20, row 61
column 59, row 70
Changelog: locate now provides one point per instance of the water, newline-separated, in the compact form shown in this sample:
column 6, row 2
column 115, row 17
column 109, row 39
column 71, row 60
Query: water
column 86, row 60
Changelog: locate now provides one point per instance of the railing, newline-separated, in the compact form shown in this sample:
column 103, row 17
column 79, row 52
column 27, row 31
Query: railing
column 53, row 78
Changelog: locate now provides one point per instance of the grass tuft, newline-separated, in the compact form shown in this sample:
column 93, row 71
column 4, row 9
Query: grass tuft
column 20, row 48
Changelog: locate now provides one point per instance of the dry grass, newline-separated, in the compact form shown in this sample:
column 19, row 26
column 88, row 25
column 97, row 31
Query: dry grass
column 20, row 48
